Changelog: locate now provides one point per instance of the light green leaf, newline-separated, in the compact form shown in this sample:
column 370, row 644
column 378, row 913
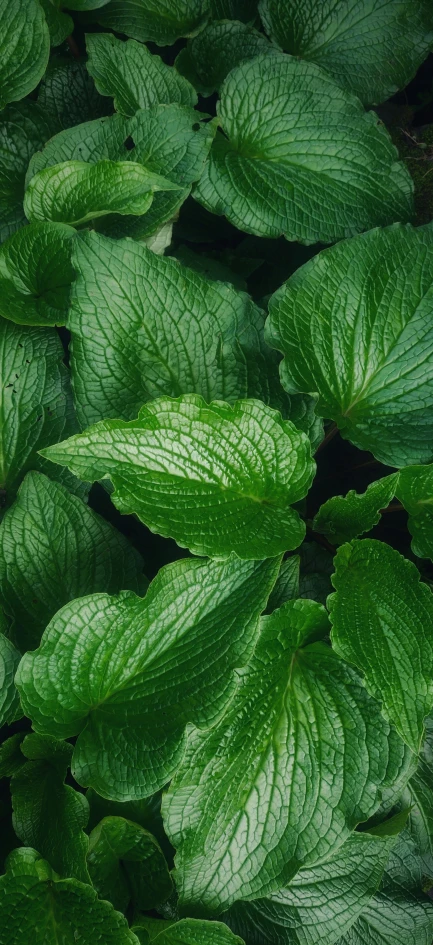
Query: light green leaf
column 36, row 274
column 371, row 49
column 37, row 907
column 400, row 913
column 68, row 92
column 134, row 77
column 47, row 813
column 24, row 49
column 300, row 157
column 218, row 479
column 10, row 708
column 342, row 518
column 355, row 326
column 127, row 865
column 53, row 548
column 415, row 492
column 186, row 932
column 287, row 584
column 257, row 797
column 60, row 25
column 147, row 668
column 383, row 623
column 209, row 57
column 144, row 326
column 321, row 902
column 92, row 141
column 157, row 21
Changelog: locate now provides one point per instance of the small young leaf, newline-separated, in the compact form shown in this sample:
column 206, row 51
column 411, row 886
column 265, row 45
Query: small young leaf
column 415, row 492
column 210, row 56
column 162, row 23
column 10, row 707
column 25, row 48
column 343, row 518
column 36, row 274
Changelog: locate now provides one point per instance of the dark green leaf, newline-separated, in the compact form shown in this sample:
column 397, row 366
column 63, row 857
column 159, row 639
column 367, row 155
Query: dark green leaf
column 36, row 274
column 127, row 865
column 25, row 48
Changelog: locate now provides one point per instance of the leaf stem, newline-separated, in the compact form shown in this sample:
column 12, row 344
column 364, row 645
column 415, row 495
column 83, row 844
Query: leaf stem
column 333, row 430
column 73, row 46
column 395, row 507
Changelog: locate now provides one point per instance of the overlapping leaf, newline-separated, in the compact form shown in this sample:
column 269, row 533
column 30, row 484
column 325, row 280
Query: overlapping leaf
column 417, row 798
column 10, row 708
column 209, row 57
column 36, row 274
column 161, row 22
column 68, row 92
column 415, row 491
column 24, row 49
column 342, row 518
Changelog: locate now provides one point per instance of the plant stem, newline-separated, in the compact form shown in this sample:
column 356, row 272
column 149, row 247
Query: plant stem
column 73, row 47
column 333, row 430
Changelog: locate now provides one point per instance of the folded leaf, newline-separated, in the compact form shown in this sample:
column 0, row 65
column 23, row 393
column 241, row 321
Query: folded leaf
column 211, row 55
column 25, row 48
column 217, row 479
column 355, row 326
column 10, row 708
column 345, row 517
column 300, row 157
column 415, row 492
column 147, row 668
column 372, row 49
column 383, row 623
column 53, row 548
column 68, row 92
column 36, row 274
column 257, row 797
column 163, row 22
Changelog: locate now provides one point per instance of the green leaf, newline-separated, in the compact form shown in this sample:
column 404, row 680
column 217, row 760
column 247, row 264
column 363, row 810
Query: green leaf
column 415, row 492
column 355, row 326
column 399, row 914
column 68, row 92
column 47, row 813
column 257, row 797
column 287, row 584
column 127, row 865
column 37, row 907
column 218, row 479
column 210, row 56
column 25, row 48
column 316, row 569
column 321, row 902
column 84, row 5
column 129, row 73
column 371, row 49
column 300, row 157
column 147, row 668
column 243, row 10
column 417, row 797
column 382, row 622
column 36, row 274
column 60, row 25
column 186, row 932
column 345, row 517
column 92, row 141
column 10, row 708
column 158, row 21
column 144, row 326
column 11, row 756
column 53, row 548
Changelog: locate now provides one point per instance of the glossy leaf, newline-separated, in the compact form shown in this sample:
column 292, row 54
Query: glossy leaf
column 161, row 22
column 25, row 48
column 126, row 865
column 210, row 56
column 10, row 708
column 36, row 274
column 345, row 517
column 147, row 668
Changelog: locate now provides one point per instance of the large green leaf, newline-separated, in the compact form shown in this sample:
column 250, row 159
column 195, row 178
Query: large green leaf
column 342, row 518
column 383, row 623
column 134, row 77
column 24, row 48
column 371, row 49
column 144, row 326
column 298, row 156
column 36, row 274
column 415, row 491
column 218, row 479
column 209, row 57
column 157, row 21
column 10, row 708
column 68, row 92
column 417, row 797
column 60, row 25
column 185, row 932
column 147, row 668
column 299, row 759
column 53, row 548
column 321, row 902
column 355, row 326
column 91, row 141
column 127, row 865
column 37, row 907
column 47, row 813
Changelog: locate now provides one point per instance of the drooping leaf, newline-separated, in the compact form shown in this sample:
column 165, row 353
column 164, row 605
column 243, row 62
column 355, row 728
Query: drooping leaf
column 415, row 492
column 299, row 157
column 53, row 548
column 127, row 865
column 157, row 21
column 36, row 274
column 218, row 479
column 345, row 517
column 68, row 92
column 371, row 49
column 144, row 326
column 147, row 668
column 355, row 326
column 185, row 932
column 37, row 907
column 383, row 623
column 47, row 813
column 209, row 57
column 132, row 76
column 10, row 708
column 258, row 796
column 25, row 48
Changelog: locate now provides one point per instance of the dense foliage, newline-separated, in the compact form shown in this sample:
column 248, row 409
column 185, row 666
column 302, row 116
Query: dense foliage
column 216, row 472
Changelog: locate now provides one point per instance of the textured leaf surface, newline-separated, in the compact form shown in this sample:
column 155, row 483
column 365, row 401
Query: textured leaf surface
column 355, row 326
column 157, row 21
column 258, row 796
column 127, row 865
column 47, row 813
column 10, row 708
column 37, row 907
column 129, row 73
column 68, row 92
column 187, row 932
column 383, row 623
column 218, row 479
column 53, row 549
column 415, row 491
column 60, row 25
column 24, row 48
column 417, row 797
column 371, row 49
column 209, row 57
column 36, row 274
column 287, row 584
column 11, row 756
column 345, row 517
column 144, row 326
column 146, row 668
column 300, row 157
